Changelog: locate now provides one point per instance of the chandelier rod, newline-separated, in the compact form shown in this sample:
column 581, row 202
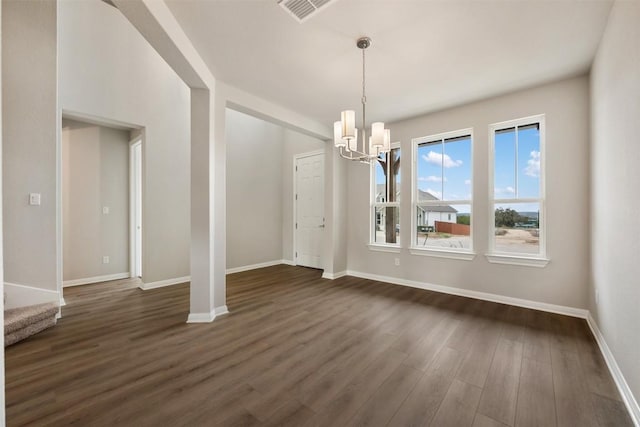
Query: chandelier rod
column 364, row 102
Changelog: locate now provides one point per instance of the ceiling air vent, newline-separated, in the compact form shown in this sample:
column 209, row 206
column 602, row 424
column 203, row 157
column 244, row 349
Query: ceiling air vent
column 303, row 9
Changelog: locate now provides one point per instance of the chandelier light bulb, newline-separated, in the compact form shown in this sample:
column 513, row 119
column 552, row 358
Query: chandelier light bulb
column 337, row 135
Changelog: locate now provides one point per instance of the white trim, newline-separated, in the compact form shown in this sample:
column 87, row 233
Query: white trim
column 207, row 317
column 384, row 248
column 133, row 170
column 219, row 311
column 288, row 262
column 96, row 279
column 518, row 260
column 627, row 395
column 485, row 296
column 23, row 295
column 62, row 301
column 98, row 120
column 201, row 317
column 309, row 154
column 59, row 204
column 440, row 253
column 255, row 266
column 541, row 199
column 333, row 276
column 163, row 283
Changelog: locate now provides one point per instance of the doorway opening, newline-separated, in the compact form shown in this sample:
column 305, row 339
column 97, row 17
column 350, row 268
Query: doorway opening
column 101, row 185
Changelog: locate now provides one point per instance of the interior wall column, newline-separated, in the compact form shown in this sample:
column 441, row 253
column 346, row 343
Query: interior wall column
column 208, row 238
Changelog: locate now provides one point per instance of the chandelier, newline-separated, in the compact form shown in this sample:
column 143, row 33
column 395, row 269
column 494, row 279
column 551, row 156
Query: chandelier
column 345, row 132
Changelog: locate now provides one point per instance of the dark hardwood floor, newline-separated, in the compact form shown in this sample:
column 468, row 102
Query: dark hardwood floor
column 298, row 350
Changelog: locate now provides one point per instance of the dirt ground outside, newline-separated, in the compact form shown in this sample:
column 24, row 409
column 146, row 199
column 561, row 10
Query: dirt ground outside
column 514, row 240
column 518, row 240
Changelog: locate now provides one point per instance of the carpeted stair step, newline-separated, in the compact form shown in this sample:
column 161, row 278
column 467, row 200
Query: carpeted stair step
column 22, row 322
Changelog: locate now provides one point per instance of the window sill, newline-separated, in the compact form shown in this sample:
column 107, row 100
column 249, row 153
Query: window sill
column 466, row 256
column 518, row 260
column 384, row 248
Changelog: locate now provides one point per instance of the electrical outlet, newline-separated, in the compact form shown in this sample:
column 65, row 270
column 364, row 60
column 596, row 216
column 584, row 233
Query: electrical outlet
column 397, row 261
column 34, row 199
column 105, row 210
column 105, row 259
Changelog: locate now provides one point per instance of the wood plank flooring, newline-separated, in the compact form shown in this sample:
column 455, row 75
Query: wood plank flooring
column 299, row 350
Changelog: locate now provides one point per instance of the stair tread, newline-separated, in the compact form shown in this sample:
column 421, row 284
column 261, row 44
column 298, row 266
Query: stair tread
column 20, row 317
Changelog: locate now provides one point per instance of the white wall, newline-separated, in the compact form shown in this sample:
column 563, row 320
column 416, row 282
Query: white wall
column 563, row 280
column 95, row 175
column 108, row 70
column 254, row 190
column 260, row 188
column 337, row 212
column 615, row 205
column 29, row 135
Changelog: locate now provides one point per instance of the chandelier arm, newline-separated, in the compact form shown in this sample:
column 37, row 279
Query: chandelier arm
column 360, row 156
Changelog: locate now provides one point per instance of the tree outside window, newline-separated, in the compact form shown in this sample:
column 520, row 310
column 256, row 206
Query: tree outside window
column 386, row 198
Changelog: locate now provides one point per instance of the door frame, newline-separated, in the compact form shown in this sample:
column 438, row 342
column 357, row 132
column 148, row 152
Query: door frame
column 297, row 157
column 135, row 142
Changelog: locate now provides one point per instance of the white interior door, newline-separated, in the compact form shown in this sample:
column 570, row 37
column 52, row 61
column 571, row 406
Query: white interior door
column 309, row 201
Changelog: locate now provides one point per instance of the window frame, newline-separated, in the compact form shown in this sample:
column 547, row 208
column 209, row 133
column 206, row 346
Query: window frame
column 518, row 258
column 454, row 253
column 373, row 245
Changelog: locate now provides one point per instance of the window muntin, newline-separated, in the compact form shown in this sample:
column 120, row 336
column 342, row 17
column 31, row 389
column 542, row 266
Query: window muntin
column 518, row 192
column 442, row 192
column 385, row 196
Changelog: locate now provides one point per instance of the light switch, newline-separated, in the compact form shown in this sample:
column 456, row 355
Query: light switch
column 105, row 210
column 34, row 198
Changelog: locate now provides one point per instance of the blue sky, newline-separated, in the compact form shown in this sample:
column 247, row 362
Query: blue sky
column 527, row 184
column 444, row 170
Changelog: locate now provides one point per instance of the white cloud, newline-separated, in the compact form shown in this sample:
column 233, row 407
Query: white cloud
column 439, row 159
column 435, row 193
column 431, row 178
column 533, row 165
column 508, row 190
column 467, row 181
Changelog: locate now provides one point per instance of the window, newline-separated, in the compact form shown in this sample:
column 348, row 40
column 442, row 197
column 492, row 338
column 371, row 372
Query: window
column 385, row 198
column 517, row 220
column 442, row 192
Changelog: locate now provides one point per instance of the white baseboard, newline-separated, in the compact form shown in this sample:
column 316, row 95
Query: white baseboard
column 333, row 276
column 207, row 317
column 221, row 310
column 96, row 279
column 551, row 308
column 22, row 295
column 259, row 265
column 288, row 262
column 163, row 283
column 616, row 373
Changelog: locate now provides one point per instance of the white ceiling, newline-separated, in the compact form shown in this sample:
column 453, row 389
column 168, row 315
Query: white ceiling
column 426, row 55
